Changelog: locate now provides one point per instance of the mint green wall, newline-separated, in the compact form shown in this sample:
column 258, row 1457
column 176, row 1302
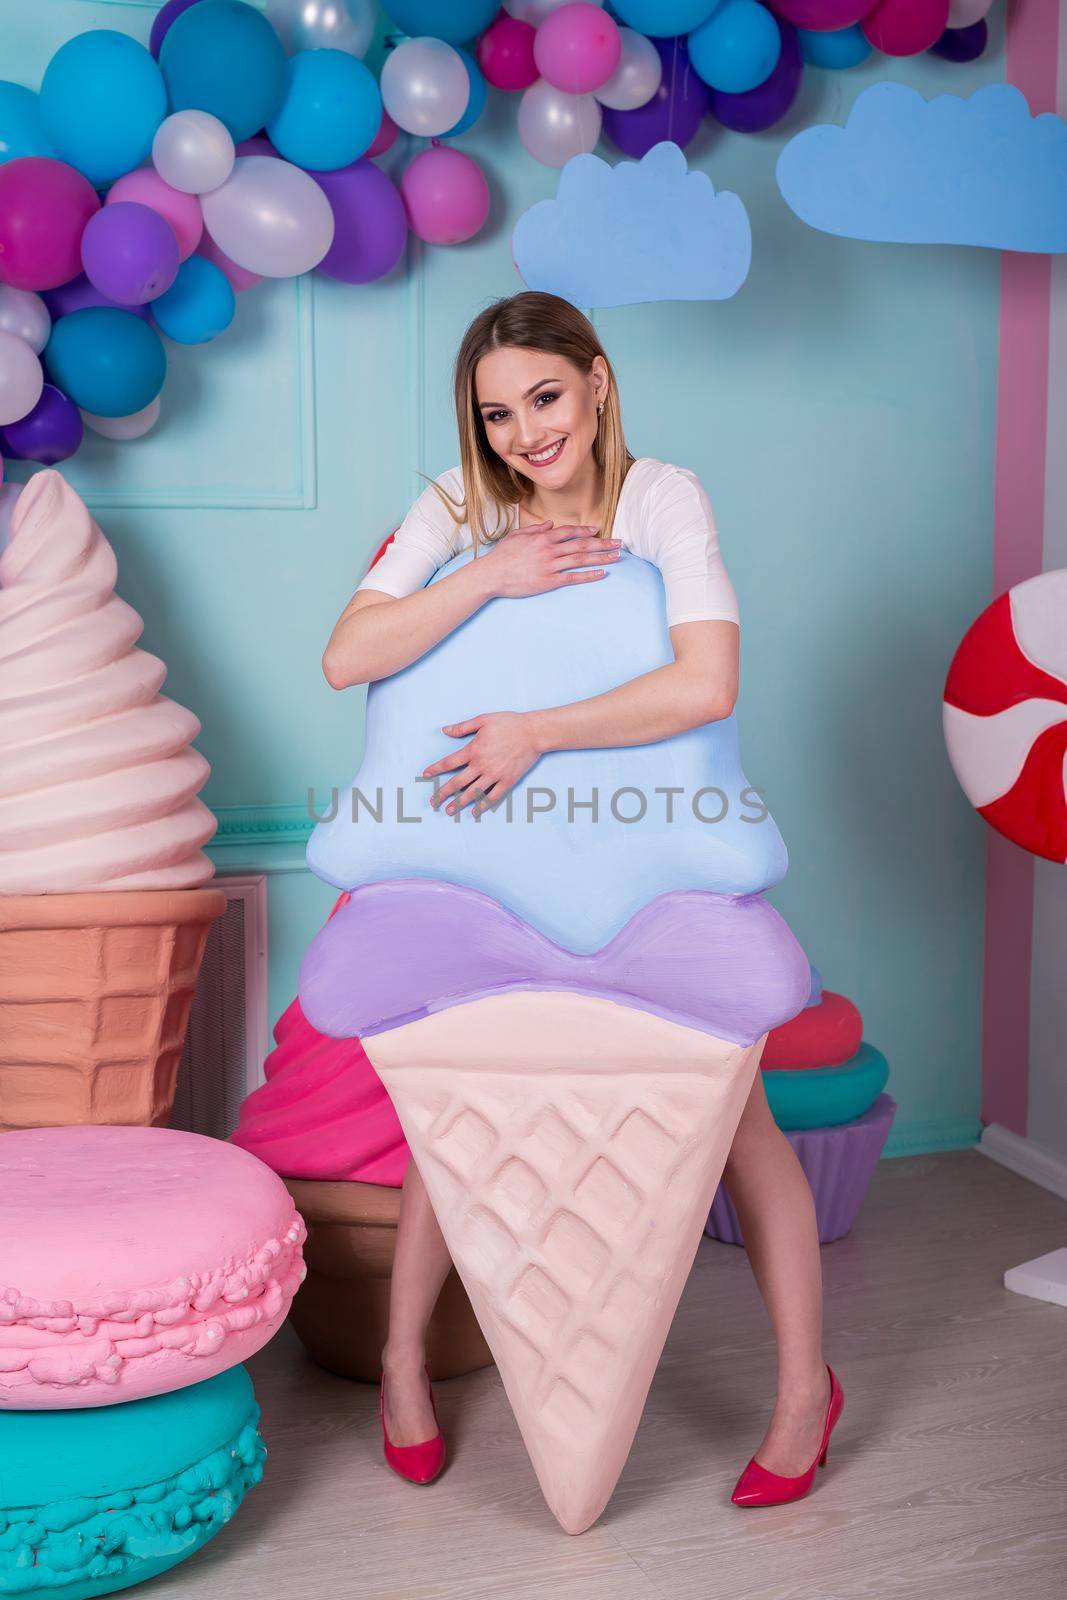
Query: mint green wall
column 840, row 411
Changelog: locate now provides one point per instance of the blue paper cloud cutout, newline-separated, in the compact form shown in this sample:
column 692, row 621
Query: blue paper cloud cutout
column 641, row 230
column 904, row 170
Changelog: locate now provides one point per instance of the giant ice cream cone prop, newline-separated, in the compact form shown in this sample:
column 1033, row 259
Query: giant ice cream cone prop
column 103, row 917
column 566, row 999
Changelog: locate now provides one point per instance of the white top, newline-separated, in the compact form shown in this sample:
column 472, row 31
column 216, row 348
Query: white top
column 663, row 515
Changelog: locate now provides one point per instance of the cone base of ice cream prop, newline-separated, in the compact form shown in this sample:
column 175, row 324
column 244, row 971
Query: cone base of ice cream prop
column 95, row 992
column 341, row 1311
column 571, row 1146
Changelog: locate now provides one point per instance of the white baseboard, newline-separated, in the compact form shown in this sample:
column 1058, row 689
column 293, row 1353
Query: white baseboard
column 1026, row 1157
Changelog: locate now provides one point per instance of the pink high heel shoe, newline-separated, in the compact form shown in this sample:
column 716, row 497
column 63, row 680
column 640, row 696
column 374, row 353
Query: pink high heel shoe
column 418, row 1463
column 757, row 1486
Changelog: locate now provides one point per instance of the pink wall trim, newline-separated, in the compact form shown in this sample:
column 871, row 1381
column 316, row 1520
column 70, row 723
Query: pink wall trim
column 1031, row 49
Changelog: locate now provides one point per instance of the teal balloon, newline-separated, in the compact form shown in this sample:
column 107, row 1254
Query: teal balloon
column 21, row 125
column 330, row 113
column 198, row 306
column 824, row 1097
column 452, row 20
column 841, row 47
column 224, row 57
column 102, row 99
column 479, row 95
column 663, row 19
column 737, row 48
column 108, row 361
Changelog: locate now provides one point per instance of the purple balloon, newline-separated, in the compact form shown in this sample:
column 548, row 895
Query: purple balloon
column 962, row 44
column 129, row 252
column 164, row 17
column 370, row 223
column 79, row 293
column 769, row 101
column 49, row 433
column 675, row 111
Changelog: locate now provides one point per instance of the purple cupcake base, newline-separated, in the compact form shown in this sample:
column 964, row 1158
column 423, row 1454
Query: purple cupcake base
column 839, row 1164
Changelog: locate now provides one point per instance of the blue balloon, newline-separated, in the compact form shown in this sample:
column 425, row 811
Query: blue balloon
column 224, row 57
column 102, row 99
column 841, row 47
column 455, row 21
column 198, row 306
column 664, row 19
column 479, row 94
column 737, row 48
column 108, row 361
column 21, row 125
column 331, row 111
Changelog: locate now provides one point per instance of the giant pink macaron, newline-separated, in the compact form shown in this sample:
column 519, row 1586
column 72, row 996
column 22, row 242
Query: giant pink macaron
column 135, row 1261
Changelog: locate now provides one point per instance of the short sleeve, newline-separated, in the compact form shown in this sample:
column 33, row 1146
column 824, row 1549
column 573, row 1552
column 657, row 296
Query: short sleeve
column 677, row 532
column 424, row 541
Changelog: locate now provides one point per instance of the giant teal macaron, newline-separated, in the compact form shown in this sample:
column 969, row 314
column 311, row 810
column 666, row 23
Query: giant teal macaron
column 824, row 1097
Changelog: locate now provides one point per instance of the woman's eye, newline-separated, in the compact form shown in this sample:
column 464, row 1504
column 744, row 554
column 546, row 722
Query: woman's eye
column 548, row 395
column 492, row 416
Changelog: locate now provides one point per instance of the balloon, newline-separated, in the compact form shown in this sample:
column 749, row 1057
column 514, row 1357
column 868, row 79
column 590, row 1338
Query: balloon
column 445, row 195
column 554, row 125
column 370, row 223
column 454, row 21
column 675, row 111
column 964, row 13
column 193, row 152
column 259, row 145
column 822, row 16
column 79, row 293
column 269, row 216
column 577, row 48
column 664, row 18
column 637, row 76
column 162, row 20
column 842, row 47
column 49, row 433
column 425, row 87
column 102, row 99
column 478, row 92
column 44, row 206
column 198, row 306
column 25, row 314
column 21, row 128
column 962, row 44
column 129, row 253
column 535, row 11
column 505, row 54
column 737, row 47
column 107, row 361
column 9, row 493
column 224, row 57
column 330, row 112
column 761, row 107
column 905, row 27
column 238, row 277
column 131, row 427
column 324, row 24
column 21, row 378
column 386, row 136
column 146, row 188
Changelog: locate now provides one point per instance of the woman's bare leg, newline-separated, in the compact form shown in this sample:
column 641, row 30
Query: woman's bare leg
column 421, row 1264
column 776, row 1211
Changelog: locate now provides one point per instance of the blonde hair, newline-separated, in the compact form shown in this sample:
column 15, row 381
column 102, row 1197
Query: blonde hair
column 530, row 320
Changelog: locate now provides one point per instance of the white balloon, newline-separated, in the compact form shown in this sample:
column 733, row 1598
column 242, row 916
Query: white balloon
column 425, row 87
column 324, row 24
column 131, row 427
column 270, row 217
column 21, row 378
column 535, row 11
column 637, row 76
column 962, row 13
column 25, row 314
column 193, row 151
column 554, row 125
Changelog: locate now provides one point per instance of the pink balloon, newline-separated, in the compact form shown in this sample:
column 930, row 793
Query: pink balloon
column 445, row 195
column 44, row 206
column 240, row 277
column 386, row 136
column 182, row 211
column 577, row 48
column 821, row 16
column 506, row 54
column 905, row 27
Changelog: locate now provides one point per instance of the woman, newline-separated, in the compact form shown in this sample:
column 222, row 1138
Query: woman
column 547, row 495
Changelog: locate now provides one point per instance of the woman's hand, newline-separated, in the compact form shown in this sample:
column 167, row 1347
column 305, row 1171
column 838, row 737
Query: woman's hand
column 504, row 747
column 531, row 560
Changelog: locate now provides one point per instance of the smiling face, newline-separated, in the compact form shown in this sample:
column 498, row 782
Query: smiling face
column 540, row 411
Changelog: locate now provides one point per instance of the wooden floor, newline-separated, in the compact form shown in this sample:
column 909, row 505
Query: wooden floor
column 947, row 1475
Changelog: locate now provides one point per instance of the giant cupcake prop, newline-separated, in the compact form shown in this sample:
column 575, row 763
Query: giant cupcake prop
column 103, row 917
column 566, row 1000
